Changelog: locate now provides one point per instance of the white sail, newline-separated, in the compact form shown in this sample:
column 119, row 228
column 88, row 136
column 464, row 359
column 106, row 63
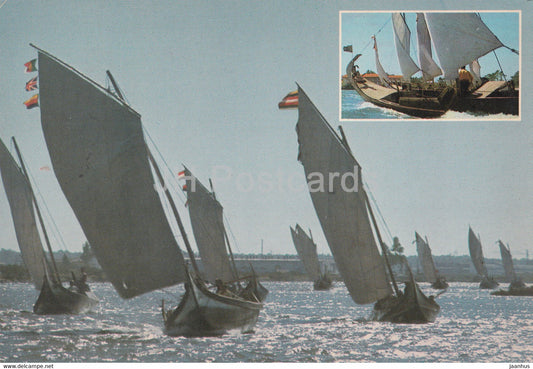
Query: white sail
column 507, row 261
column 100, row 159
column 208, row 228
column 306, row 249
column 428, row 66
column 402, row 40
column 459, row 39
column 476, row 253
column 426, row 259
column 381, row 72
column 342, row 210
column 475, row 68
column 19, row 196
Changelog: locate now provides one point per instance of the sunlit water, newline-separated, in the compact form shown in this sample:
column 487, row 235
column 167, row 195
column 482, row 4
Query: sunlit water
column 354, row 107
column 296, row 325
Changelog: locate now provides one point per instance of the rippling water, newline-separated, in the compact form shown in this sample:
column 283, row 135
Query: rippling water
column 354, row 107
column 296, row 325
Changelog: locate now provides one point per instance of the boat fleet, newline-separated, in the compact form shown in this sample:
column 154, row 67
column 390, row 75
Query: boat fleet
column 118, row 193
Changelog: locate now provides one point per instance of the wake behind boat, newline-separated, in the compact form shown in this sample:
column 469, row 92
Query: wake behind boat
column 53, row 297
column 348, row 222
column 104, row 167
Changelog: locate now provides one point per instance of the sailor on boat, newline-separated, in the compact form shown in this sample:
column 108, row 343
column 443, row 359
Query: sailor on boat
column 465, row 80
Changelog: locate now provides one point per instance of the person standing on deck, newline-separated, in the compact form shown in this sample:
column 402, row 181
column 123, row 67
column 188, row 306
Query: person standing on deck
column 465, row 80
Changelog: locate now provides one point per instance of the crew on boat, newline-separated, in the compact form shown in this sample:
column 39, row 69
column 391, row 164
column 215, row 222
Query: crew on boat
column 79, row 284
column 465, row 81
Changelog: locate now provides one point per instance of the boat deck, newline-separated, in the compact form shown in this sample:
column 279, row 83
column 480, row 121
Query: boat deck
column 488, row 88
column 374, row 90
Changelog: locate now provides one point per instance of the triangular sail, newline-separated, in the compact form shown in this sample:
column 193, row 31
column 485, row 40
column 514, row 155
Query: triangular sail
column 306, row 249
column 459, row 38
column 426, row 259
column 476, row 253
column 207, row 223
column 99, row 156
column 507, row 261
column 402, row 40
column 381, row 72
column 342, row 212
column 429, row 67
column 19, row 196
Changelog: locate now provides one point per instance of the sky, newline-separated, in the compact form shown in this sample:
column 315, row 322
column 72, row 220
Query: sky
column 206, row 77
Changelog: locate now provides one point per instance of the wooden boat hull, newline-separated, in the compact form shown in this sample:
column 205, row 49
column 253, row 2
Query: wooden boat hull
column 323, row 283
column 440, row 284
column 56, row 299
column 412, row 307
column 514, row 291
column 421, row 107
column 205, row 313
column 492, row 97
column 488, row 283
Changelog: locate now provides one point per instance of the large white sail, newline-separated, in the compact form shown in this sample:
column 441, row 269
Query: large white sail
column 476, row 253
column 459, row 39
column 402, row 40
column 207, row 223
column 342, row 211
column 99, row 156
column 306, row 249
column 426, row 259
column 381, row 72
column 19, row 196
column 428, row 66
column 507, row 261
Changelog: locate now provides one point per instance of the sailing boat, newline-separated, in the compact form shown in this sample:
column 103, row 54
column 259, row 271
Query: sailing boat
column 306, row 248
column 428, row 265
column 104, row 167
column 476, row 254
column 207, row 221
column 459, row 39
column 516, row 286
column 53, row 298
column 343, row 210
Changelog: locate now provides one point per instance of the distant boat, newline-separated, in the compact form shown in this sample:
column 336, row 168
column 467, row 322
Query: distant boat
column 428, row 265
column 476, row 254
column 469, row 38
column 104, row 167
column 53, row 298
column 306, row 248
column 347, row 218
column 516, row 286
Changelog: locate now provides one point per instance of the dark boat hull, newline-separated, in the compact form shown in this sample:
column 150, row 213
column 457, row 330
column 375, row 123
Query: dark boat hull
column 205, row 313
column 412, row 307
column 56, row 299
column 487, row 105
column 440, row 284
column 514, row 291
column 488, row 283
column 407, row 103
column 323, row 283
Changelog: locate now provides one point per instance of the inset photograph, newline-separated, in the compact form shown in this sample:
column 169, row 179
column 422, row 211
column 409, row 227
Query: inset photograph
column 435, row 65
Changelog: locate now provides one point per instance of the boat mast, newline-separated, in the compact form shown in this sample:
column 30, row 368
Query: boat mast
column 115, row 85
column 38, row 211
column 383, row 248
column 174, row 211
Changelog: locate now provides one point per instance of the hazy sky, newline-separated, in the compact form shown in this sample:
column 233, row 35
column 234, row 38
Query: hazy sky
column 206, row 76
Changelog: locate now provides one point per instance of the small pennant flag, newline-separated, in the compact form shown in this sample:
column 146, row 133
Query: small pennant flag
column 31, row 66
column 289, row 101
column 31, row 84
column 181, row 174
column 32, row 102
column 348, row 49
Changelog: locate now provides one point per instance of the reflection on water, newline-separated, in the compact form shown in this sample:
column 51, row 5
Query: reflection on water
column 298, row 324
